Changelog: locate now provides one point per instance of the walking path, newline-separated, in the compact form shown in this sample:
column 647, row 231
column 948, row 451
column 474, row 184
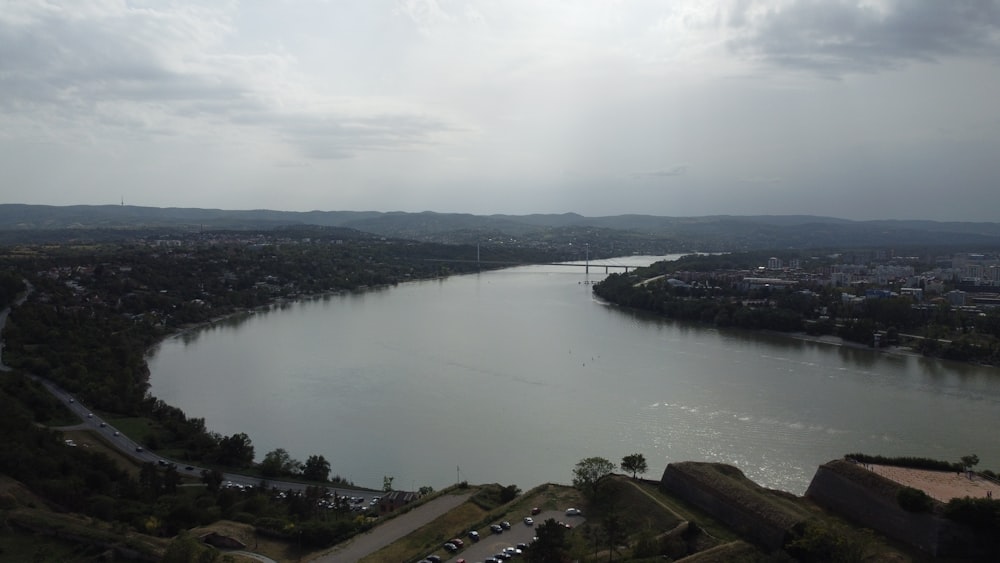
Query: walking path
column 940, row 485
column 392, row 530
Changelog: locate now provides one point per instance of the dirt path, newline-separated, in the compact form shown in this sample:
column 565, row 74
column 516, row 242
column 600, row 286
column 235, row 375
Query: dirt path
column 659, row 502
column 393, row 529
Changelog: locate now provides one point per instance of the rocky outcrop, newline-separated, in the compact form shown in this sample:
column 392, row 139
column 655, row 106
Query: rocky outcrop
column 216, row 539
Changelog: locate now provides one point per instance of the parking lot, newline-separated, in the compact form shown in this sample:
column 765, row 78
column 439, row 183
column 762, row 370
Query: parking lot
column 490, row 544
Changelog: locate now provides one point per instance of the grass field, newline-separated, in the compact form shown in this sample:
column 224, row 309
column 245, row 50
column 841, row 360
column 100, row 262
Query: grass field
column 18, row 547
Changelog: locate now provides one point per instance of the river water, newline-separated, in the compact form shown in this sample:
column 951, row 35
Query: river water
column 513, row 376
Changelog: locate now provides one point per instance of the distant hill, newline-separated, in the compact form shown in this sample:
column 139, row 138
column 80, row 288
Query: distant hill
column 625, row 232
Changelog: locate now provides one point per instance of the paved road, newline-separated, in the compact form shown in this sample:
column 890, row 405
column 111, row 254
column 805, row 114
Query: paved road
column 3, row 319
column 134, row 450
column 356, row 548
column 391, row 530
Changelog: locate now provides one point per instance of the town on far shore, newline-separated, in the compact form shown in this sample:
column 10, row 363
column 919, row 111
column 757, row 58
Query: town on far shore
column 938, row 305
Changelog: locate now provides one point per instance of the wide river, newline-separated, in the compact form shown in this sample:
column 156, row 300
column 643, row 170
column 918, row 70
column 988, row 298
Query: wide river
column 513, row 376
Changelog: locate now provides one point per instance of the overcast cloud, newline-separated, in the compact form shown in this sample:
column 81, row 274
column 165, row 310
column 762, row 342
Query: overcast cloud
column 855, row 109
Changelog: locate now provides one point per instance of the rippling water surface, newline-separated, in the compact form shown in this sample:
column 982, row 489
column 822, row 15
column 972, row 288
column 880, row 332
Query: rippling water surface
column 514, row 376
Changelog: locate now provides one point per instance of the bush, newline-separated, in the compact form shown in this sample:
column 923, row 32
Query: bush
column 979, row 513
column 818, row 541
column 914, row 500
column 913, row 462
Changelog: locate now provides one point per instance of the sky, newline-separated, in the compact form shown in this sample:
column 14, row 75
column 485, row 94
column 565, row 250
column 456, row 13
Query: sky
column 868, row 109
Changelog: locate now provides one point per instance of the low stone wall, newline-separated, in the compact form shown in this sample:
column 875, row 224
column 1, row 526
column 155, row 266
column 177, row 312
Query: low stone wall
column 738, row 514
column 841, row 487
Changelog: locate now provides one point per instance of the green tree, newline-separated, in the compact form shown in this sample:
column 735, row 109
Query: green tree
column 589, row 471
column 509, row 493
column 317, row 468
column 279, row 462
column 614, row 531
column 634, row 463
column 171, row 479
column 551, row 546
column 387, row 483
column 970, row 461
column 914, row 500
column 236, row 450
column 212, row 478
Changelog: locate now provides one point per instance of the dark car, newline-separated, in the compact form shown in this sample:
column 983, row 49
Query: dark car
column 496, row 529
column 505, row 525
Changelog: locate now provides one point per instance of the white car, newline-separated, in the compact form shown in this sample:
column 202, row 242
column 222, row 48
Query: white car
column 529, row 521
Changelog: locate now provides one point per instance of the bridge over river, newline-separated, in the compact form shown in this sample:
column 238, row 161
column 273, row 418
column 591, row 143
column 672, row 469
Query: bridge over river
column 586, row 265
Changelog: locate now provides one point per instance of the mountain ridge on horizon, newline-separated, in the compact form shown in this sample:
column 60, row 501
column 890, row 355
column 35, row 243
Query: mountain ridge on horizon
column 706, row 232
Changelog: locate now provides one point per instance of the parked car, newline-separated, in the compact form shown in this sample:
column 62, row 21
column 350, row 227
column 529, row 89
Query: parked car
column 474, row 535
column 450, row 547
column 496, row 528
column 536, row 511
column 457, row 542
column 573, row 512
column 505, row 525
column 529, row 521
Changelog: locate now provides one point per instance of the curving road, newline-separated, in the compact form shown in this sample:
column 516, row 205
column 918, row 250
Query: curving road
column 3, row 319
column 354, row 549
column 134, row 450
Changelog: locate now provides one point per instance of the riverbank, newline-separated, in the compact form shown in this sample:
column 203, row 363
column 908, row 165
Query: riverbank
column 838, row 341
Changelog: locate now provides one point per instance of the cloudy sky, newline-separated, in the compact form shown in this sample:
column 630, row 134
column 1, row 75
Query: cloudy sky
column 857, row 109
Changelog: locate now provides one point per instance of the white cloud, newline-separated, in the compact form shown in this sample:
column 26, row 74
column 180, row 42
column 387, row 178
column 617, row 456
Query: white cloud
column 110, row 68
column 593, row 106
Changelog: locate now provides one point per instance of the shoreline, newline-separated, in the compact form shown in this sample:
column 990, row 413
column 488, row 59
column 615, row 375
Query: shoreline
column 904, row 351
